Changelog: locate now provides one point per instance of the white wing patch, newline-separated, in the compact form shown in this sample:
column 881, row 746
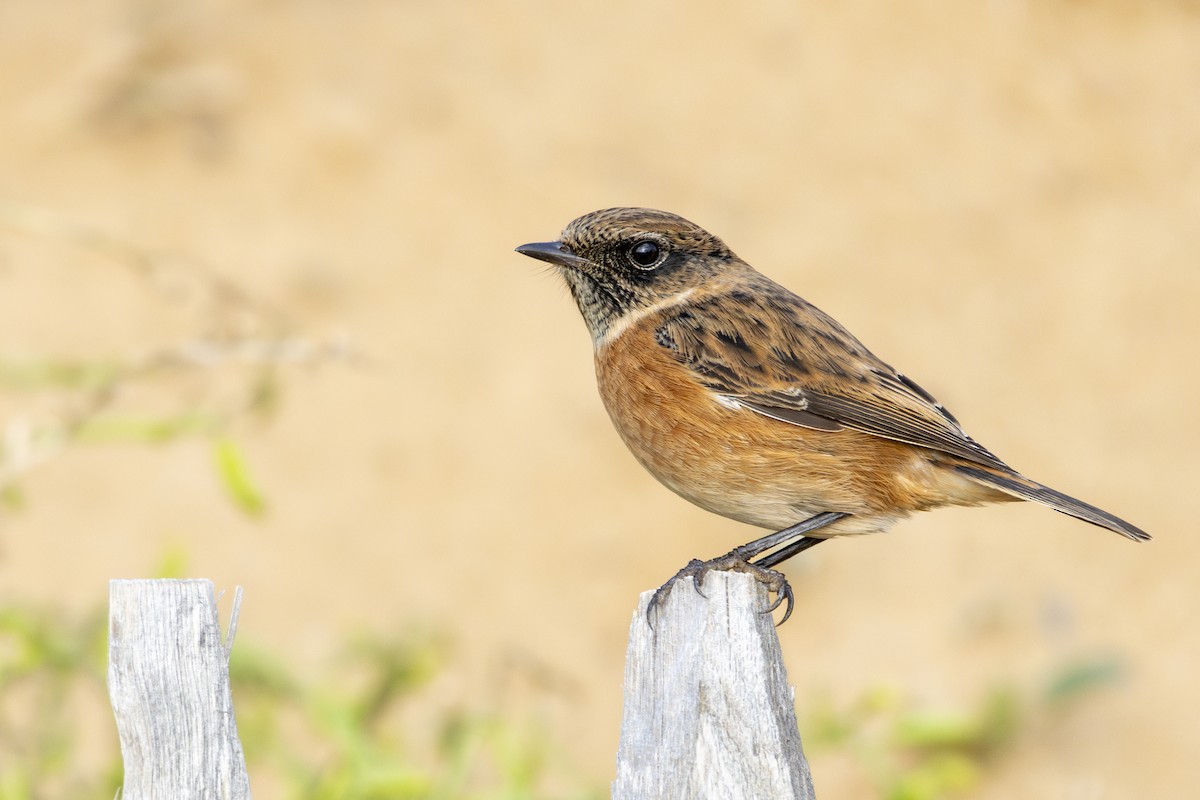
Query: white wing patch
column 728, row 401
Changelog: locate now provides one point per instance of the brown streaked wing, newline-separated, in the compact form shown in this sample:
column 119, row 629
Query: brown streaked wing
column 905, row 418
column 785, row 359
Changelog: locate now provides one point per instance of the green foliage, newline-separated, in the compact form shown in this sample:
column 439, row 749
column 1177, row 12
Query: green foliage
column 47, row 374
column 1078, row 678
column 48, row 665
column 222, row 372
column 110, row 429
column 914, row 753
column 12, row 498
column 367, row 729
column 362, row 721
column 173, row 564
column 351, row 735
column 235, row 475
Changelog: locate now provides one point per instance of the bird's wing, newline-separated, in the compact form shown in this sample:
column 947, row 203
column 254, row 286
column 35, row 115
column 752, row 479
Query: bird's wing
column 781, row 357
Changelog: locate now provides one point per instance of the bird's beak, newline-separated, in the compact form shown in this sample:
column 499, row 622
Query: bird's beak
column 554, row 252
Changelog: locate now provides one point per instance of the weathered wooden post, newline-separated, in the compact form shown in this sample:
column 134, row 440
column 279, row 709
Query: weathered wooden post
column 708, row 709
column 168, row 680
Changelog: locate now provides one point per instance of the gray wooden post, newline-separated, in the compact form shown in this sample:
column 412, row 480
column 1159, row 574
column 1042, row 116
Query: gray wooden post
column 708, row 709
column 168, row 680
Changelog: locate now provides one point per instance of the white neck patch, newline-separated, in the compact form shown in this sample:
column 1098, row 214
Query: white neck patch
column 624, row 323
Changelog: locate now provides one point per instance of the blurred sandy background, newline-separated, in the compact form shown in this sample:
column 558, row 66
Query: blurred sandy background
column 999, row 198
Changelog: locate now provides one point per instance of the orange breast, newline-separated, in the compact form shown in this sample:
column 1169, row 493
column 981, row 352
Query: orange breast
column 751, row 468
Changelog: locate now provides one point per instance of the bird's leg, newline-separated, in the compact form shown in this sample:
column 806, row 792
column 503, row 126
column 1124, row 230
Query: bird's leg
column 738, row 560
column 798, row 532
column 784, row 553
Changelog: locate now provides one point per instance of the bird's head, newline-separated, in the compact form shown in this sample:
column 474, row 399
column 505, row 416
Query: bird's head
column 623, row 261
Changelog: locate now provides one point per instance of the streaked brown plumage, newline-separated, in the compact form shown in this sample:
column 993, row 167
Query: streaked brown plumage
column 750, row 402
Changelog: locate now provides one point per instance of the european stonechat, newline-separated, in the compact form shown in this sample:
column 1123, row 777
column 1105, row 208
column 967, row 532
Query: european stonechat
column 750, row 402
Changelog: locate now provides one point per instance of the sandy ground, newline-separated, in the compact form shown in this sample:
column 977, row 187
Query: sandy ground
column 999, row 198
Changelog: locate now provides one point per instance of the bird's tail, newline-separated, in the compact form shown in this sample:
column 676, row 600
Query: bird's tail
column 1020, row 486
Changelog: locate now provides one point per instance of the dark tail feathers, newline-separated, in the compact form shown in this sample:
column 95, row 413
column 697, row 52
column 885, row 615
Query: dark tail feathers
column 1020, row 486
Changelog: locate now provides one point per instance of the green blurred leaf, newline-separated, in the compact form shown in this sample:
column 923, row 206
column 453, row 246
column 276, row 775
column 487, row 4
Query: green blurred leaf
column 173, row 563
column 1081, row 677
column 147, row 430
column 988, row 727
column 1001, row 718
column 880, row 699
column 12, row 498
column 944, row 776
column 258, row 671
column 52, row 374
column 235, row 475
column 398, row 667
column 265, row 394
column 828, row 726
column 48, row 663
column 931, row 729
column 15, row 783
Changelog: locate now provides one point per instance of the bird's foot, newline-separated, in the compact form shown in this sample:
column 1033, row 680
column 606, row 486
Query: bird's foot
column 733, row 561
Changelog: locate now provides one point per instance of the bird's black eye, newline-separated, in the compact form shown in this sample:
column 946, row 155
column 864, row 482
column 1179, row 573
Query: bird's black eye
column 645, row 254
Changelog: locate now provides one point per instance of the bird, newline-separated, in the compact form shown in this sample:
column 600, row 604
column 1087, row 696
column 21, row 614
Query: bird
column 752, row 403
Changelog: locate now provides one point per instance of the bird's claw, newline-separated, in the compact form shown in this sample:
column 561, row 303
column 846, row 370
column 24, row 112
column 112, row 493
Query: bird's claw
column 730, row 562
column 784, row 592
column 695, row 568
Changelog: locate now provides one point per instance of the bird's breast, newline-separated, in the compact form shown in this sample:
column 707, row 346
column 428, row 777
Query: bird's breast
column 738, row 463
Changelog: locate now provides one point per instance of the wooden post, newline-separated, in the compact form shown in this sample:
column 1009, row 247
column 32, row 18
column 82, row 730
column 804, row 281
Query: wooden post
column 168, row 679
column 708, row 709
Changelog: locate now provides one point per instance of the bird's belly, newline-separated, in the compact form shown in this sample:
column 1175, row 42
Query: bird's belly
column 758, row 485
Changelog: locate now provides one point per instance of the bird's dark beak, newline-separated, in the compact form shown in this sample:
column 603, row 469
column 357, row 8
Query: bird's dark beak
column 554, row 252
